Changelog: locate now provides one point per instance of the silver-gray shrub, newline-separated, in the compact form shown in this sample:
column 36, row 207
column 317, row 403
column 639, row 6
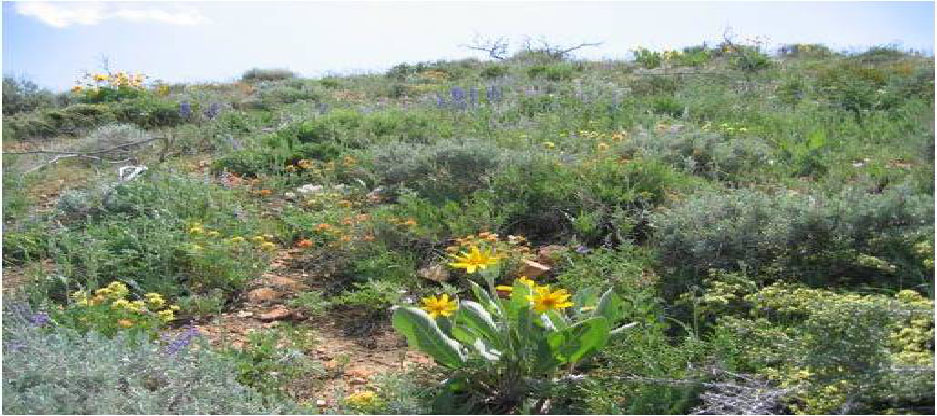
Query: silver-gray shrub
column 705, row 154
column 54, row 370
column 853, row 237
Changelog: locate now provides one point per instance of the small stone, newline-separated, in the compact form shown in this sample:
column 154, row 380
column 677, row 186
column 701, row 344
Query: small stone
column 277, row 313
column 547, row 255
column 533, row 269
column 286, row 283
column 289, row 196
column 321, row 403
column 245, row 314
column 262, row 295
column 436, row 273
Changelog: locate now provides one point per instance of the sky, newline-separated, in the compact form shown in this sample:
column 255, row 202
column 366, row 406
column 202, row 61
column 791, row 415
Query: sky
column 53, row 43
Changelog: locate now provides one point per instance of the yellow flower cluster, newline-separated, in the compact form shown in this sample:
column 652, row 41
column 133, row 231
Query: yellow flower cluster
column 361, row 398
column 264, row 242
column 115, row 296
column 513, row 245
column 110, row 80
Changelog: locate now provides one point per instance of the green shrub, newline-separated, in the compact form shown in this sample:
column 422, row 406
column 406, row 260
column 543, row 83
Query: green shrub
column 21, row 95
column 823, row 345
column 555, row 72
column 149, row 112
column 668, row 106
column 494, row 71
column 95, row 374
column 275, row 74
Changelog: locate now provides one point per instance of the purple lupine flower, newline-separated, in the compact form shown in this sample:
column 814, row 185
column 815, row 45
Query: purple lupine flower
column 39, row 319
column 182, row 341
column 185, row 109
column 213, row 110
column 440, row 102
column 473, row 96
column 493, row 93
column 458, row 93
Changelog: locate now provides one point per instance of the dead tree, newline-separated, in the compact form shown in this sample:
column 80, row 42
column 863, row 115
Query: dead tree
column 495, row 48
column 555, row 51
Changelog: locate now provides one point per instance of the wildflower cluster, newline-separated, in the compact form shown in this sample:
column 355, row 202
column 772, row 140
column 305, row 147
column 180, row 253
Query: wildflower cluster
column 204, row 237
column 510, row 246
column 351, row 228
column 98, row 87
column 110, row 309
column 363, row 401
column 602, row 139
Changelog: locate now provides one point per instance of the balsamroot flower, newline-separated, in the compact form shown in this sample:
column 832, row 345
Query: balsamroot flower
column 545, row 300
column 439, row 306
column 474, row 260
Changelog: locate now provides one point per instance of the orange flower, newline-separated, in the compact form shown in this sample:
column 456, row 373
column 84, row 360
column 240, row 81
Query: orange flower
column 323, row 227
column 410, row 222
column 125, row 323
column 265, row 192
column 368, row 237
column 304, row 243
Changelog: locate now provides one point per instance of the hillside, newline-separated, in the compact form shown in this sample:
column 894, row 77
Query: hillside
column 707, row 231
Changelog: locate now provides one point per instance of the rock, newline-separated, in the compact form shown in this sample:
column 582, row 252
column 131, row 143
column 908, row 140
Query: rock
column 533, row 269
column 245, row 314
column 263, row 295
column 436, row 273
column 547, row 255
column 309, row 189
column 289, row 196
column 321, row 403
column 287, row 284
column 277, row 313
column 357, row 381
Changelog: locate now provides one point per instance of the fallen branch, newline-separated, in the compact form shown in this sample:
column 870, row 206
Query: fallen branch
column 96, row 152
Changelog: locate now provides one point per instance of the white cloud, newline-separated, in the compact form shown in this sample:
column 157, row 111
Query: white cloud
column 67, row 14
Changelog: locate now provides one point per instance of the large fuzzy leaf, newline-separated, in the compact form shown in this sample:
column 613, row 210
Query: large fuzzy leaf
column 422, row 333
column 574, row 343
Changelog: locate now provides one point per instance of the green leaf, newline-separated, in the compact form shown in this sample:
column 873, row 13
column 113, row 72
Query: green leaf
column 483, row 298
column 609, row 306
column 572, row 344
column 475, row 317
column 423, row 333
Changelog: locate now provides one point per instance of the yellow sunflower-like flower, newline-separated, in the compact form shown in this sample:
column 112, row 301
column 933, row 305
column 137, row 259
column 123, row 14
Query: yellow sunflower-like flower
column 196, row 230
column 544, row 299
column 474, row 259
column 268, row 246
column 523, row 279
column 238, row 239
column 439, row 306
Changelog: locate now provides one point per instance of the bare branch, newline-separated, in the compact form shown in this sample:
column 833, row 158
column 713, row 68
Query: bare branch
column 495, row 48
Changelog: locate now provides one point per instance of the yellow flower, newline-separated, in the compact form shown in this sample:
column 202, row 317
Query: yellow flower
column 475, row 259
column 549, row 145
column 523, row 279
column 213, row 234
column 268, row 246
column 118, row 289
column 544, row 300
column 238, row 239
column 440, row 306
column 102, row 292
column 137, row 305
column 100, row 77
column 123, row 303
column 259, row 239
column 196, row 230
column 155, row 299
column 166, row 315
column 602, row 147
column 361, row 398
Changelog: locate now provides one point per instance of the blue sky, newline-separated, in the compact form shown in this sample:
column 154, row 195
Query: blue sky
column 53, row 43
